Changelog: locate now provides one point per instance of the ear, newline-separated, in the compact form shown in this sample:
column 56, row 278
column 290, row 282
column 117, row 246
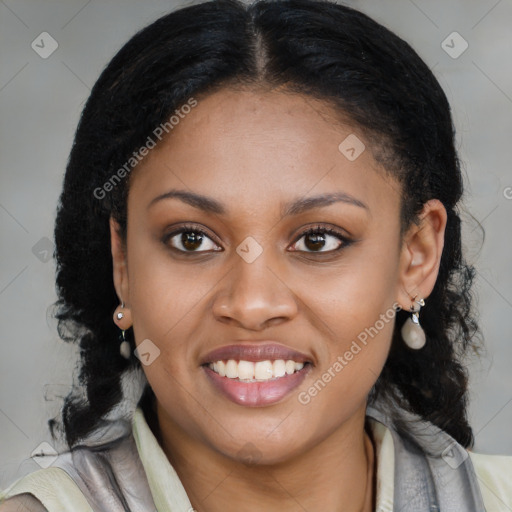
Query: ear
column 420, row 255
column 120, row 269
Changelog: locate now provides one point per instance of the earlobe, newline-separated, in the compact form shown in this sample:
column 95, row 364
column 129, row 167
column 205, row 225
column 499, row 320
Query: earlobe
column 420, row 258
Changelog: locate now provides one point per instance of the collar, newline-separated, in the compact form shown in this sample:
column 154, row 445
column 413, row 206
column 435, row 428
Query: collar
column 169, row 494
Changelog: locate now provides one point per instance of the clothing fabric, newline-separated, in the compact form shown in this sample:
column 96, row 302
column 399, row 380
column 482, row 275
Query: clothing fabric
column 417, row 470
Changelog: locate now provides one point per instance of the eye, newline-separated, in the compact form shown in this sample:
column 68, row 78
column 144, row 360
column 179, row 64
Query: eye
column 321, row 239
column 189, row 239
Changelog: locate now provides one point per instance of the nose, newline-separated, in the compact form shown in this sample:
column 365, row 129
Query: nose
column 255, row 295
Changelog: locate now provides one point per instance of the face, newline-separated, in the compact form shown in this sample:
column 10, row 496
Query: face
column 252, row 237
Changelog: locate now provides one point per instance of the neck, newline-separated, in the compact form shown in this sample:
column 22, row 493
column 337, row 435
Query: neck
column 337, row 474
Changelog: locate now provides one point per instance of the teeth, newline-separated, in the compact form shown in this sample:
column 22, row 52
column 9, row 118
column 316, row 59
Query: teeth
column 261, row 370
column 231, row 369
column 279, row 368
column 290, row 367
column 245, row 370
column 221, row 368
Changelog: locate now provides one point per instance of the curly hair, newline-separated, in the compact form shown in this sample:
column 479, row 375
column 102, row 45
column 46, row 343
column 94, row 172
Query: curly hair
column 317, row 48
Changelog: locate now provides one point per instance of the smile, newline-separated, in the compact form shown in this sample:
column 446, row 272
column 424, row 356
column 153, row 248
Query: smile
column 256, row 384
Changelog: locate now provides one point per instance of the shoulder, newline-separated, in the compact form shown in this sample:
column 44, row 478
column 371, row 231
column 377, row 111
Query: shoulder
column 494, row 473
column 45, row 490
column 25, row 502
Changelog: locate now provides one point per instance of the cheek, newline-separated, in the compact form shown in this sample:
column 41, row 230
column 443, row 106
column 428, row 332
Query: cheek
column 166, row 300
column 353, row 363
column 163, row 293
column 352, row 308
column 352, row 295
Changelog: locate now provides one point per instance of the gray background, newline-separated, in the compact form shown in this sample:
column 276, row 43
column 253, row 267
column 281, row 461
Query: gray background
column 40, row 101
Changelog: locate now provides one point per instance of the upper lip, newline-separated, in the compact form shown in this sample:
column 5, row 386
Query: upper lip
column 262, row 351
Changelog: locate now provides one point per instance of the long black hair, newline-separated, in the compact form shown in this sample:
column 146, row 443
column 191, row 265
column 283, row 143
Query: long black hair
column 313, row 47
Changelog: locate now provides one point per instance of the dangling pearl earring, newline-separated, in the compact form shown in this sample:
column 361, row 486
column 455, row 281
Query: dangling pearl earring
column 124, row 348
column 412, row 333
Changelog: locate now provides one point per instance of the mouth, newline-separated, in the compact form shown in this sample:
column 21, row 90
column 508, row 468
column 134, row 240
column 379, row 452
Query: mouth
column 255, row 373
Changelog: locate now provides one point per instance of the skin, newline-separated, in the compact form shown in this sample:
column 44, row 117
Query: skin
column 254, row 150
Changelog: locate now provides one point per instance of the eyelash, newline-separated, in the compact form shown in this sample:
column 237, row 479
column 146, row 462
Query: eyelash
column 345, row 241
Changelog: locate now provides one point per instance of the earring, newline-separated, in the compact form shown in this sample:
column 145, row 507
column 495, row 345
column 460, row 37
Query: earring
column 124, row 348
column 412, row 332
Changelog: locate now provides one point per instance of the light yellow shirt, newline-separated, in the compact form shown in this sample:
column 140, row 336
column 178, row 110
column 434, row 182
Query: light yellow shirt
column 59, row 493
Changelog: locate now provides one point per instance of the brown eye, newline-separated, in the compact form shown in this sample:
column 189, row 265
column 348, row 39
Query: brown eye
column 320, row 240
column 190, row 239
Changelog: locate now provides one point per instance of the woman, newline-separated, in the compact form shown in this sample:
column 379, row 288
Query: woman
column 261, row 201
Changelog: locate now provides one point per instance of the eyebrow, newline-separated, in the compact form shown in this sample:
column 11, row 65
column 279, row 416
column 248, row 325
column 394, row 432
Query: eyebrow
column 206, row 204
column 210, row 205
column 308, row 203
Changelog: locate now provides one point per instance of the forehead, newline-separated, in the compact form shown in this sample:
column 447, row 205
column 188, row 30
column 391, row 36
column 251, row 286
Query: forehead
column 252, row 148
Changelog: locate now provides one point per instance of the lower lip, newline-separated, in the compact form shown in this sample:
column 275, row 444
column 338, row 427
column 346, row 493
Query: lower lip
column 255, row 394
